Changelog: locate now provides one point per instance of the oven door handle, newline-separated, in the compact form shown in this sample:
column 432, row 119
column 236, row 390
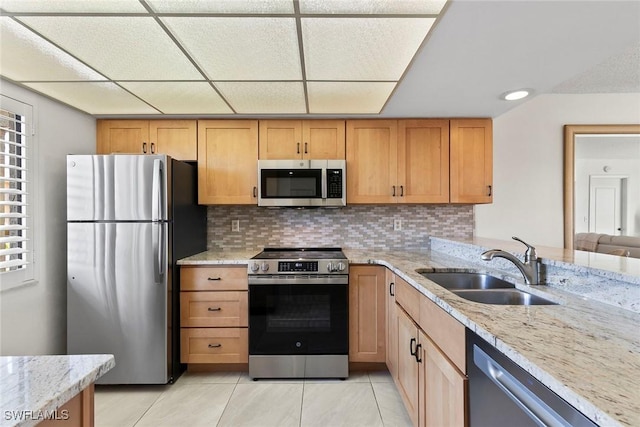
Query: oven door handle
column 339, row 279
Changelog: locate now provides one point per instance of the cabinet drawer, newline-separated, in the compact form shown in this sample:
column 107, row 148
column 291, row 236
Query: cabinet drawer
column 204, row 309
column 222, row 278
column 214, row 345
column 408, row 297
column 445, row 331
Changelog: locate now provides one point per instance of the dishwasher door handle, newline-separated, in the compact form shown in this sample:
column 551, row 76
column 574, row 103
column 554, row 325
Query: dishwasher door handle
column 531, row 404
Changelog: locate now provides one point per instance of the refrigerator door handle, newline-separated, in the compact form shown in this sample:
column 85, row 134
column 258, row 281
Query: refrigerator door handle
column 157, row 199
column 159, row 255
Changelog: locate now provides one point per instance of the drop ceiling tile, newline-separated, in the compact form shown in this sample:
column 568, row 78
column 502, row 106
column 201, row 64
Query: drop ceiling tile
column 222, row 6
column 361, row 48
column 264, row 97
column 94, row 98
column 121, row 48
column 75, row 6
column 348, row 97
column 371, row 6
column 28, row 57
column 180, row 97
column 241, row 48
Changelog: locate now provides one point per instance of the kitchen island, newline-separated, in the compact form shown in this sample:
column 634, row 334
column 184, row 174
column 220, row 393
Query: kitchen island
column 586, row 349
column 50, row 389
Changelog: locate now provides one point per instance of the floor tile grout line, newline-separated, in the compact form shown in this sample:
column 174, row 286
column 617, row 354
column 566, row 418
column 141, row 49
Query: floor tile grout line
column 235, row 386
column 149, row 407
column 301, row 404
column 375, row 396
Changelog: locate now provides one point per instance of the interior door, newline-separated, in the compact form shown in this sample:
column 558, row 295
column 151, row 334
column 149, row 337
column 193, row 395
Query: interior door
column 117, row 297
column 607, row 205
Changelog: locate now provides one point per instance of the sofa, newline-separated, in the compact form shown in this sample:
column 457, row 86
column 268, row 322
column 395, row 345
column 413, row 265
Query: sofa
column 608, row 244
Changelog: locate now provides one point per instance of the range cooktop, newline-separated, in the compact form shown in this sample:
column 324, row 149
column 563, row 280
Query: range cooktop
column 301, row 253
column 313, row 261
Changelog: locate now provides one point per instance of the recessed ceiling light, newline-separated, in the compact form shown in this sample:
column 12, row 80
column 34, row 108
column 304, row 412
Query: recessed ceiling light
column 515, row 94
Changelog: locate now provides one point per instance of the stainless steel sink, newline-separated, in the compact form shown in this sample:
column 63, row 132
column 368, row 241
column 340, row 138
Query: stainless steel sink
column 503, row 297
column 455, row 280
column 483, row 288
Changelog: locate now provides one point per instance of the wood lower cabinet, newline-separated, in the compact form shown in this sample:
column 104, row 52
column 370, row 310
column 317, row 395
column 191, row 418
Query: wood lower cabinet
column 391, row 324
column 471, row 160
column 430, row 360
column 228, row 162
column 367, row 290
column 214, row 314
column 302, row 139
column 398, row 161
column 176, row 138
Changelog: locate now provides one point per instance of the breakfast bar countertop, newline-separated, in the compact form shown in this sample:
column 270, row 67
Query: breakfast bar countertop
column 586, row 351
column 33, row 387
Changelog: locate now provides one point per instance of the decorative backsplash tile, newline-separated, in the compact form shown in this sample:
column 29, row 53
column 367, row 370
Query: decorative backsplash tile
column 357, row 227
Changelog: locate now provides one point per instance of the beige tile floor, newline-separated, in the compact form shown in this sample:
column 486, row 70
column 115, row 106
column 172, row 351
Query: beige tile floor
column 233, row 399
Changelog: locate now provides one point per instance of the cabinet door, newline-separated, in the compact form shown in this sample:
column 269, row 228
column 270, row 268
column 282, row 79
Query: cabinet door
column 408, row 369
column 323, row 139
column 227, row 162
column 392, row 328
column 123, row 136
column 367, row 289
column 280, row 139
column 471, row 161
column 423, row 161
column 176, row 138
column 442, row 388
column 371, row 161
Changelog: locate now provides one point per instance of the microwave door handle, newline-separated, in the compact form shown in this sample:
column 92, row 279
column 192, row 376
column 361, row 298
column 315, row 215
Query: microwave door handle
column 324, row 183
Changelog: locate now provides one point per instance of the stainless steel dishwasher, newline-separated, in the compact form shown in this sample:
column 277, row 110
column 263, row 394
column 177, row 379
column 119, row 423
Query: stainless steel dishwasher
column 503, row 394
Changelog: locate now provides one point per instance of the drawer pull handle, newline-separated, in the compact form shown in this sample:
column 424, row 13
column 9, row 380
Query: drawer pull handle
column 214, row 278
column 394, row 191
column 411, row 350
column 215, row 345
column 392, row 287
column 214, row 308
column 417, row 355
column 402, row 191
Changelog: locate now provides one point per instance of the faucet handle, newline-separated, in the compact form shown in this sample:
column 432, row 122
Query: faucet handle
column 530, row 254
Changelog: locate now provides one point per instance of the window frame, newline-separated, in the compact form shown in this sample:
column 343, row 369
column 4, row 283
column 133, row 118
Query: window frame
column 26, row 275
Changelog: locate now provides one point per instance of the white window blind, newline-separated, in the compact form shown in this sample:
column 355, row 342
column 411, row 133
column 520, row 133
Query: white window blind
column 15, row 250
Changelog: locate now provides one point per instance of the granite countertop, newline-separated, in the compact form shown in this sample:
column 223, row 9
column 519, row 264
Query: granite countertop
column 32, row 387
column 586, row 351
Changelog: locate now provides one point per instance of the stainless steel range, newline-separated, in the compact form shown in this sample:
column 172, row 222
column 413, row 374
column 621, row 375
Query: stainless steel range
column 299, row 313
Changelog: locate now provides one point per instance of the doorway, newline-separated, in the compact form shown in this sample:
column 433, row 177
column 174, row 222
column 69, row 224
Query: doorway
column 608, row 204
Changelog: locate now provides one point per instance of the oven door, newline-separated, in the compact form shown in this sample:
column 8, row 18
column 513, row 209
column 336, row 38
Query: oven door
column 289, row 318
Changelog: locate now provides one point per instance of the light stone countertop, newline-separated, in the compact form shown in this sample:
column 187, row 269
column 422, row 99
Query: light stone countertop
column 586, row 351
column 33, row 387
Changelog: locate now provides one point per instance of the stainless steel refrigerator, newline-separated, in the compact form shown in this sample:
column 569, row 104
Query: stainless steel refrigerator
column 129, row 218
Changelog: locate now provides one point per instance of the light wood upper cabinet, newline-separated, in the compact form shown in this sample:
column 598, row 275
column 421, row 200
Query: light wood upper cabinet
column 398, row 161
column 372, row 151
column 471, row 161
column 176, row 138
column 227, row 162
column 302, row 139
column 367, row 289
column 423, row 161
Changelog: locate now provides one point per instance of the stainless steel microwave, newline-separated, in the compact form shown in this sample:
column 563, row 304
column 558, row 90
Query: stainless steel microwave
column 302, row 183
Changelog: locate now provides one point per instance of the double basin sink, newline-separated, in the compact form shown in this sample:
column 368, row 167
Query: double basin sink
column 483, row 288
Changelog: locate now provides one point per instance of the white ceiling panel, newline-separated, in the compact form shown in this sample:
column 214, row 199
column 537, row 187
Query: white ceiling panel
column 94, row 98
column 180, row 97
column 361, row 49
column 241, row 48
column 348, row 97
column 26, row 56
column 264, row 97
column 222, row 6
column 121, row 48
column 394, row 7
column 73, row 6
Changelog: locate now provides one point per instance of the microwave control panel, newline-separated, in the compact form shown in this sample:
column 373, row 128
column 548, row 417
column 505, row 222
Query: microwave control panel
column 334, row 183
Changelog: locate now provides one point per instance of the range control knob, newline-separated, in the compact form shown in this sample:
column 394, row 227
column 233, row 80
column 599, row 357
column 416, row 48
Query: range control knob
column 264, row 266
column 255, row 267
column 341, row 266
column 330, row 267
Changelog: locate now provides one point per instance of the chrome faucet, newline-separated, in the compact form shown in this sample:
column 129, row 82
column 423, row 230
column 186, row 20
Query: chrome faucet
column 530, row 268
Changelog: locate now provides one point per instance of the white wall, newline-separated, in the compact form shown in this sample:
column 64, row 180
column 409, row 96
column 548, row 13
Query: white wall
column 528, row 163
column 33, row 317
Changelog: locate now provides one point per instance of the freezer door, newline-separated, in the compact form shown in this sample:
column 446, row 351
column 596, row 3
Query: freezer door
column 117, row 292
column 117, row 188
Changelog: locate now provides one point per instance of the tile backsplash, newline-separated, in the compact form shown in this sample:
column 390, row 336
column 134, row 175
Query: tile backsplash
column 356, row 227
